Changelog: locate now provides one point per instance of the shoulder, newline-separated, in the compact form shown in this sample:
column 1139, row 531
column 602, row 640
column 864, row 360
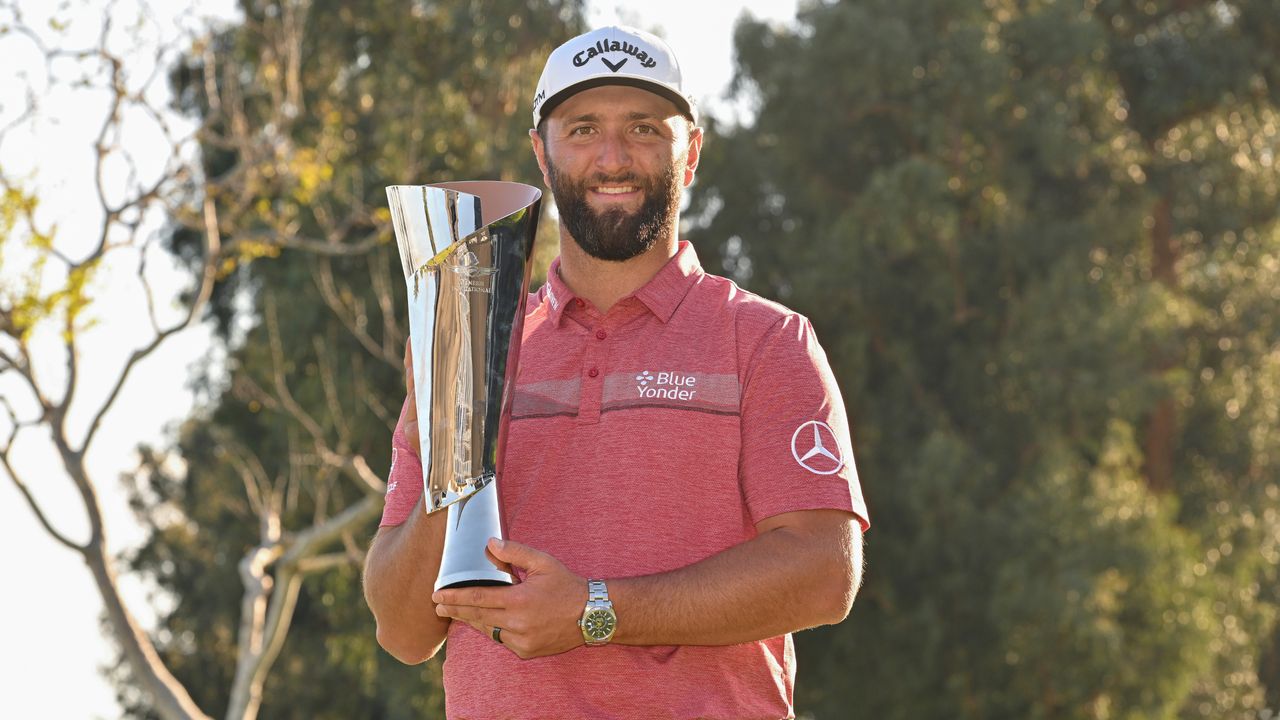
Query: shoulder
column 757, row 331
column 754, row 317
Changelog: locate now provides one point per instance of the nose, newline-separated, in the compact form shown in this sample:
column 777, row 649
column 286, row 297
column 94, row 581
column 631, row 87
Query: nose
column 613, row 154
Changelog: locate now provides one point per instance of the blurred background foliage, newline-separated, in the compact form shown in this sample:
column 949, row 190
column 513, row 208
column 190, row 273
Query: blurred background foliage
column 1039, row 240
column 388, row 92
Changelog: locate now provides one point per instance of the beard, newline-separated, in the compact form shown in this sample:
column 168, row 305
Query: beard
column 616, row 234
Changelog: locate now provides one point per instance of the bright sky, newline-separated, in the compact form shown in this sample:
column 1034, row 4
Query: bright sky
column 51, row 648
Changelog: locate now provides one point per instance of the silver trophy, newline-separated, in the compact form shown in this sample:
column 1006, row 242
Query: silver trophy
column 466, row 249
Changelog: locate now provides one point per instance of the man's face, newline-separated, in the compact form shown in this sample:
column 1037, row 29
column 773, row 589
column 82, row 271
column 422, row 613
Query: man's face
column 616, row 159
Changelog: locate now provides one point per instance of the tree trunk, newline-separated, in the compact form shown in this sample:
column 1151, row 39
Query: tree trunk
column 169, row 697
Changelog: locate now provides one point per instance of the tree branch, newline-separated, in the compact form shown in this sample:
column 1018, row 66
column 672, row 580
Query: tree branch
column 265, row 624
column 35, row 506
column 321, row 563
column 322, row 274
column 212, row 243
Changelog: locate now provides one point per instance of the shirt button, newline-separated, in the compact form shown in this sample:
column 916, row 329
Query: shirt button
column 578, row 303
column 601, row 334
column 593, row 372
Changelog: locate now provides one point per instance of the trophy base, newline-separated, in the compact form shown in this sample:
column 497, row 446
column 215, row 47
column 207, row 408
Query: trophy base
column 464, row 560
column 495, row 578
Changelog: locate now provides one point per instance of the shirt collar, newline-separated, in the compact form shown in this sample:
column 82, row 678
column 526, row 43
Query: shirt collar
column 661, row 295
column 666, row 290
column 558, row 295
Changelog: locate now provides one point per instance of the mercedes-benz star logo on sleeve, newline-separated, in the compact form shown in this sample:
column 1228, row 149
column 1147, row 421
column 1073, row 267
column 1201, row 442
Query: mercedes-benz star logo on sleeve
column 817, row 451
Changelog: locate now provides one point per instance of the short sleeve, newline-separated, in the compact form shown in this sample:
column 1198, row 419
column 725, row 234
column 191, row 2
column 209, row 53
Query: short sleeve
column 404, row 480
column 796, row 448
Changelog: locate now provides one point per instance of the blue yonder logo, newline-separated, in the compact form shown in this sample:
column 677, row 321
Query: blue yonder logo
column 666, row 385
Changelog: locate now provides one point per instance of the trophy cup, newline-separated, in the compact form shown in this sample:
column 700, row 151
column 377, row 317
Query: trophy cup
column 466, row 249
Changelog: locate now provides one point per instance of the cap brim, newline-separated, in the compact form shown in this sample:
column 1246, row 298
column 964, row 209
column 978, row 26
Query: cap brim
column 681, row 102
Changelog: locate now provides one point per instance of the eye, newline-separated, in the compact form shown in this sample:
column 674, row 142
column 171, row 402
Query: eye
column 646, row 130
column 581, row 130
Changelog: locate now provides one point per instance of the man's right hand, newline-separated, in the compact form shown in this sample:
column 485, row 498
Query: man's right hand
column 411, row 414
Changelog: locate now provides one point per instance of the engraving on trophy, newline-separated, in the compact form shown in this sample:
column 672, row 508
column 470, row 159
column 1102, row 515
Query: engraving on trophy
column 474, row 276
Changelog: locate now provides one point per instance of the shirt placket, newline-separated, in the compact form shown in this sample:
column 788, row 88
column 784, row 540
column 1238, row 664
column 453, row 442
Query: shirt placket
column 595, row 363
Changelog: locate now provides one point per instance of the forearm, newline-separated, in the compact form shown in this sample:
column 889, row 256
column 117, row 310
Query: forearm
column 783, row 580
column 399, row 576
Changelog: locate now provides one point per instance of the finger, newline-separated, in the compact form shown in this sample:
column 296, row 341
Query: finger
column 503, row 566
column 477, row 597
column 473, row 615
column 519, row 555
column 510, row 640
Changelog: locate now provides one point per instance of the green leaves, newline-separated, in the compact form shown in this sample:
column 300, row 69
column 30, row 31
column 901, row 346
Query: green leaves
column 31, row 291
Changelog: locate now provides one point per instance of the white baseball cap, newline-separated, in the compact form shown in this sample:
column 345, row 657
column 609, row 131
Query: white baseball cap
column 614, row 55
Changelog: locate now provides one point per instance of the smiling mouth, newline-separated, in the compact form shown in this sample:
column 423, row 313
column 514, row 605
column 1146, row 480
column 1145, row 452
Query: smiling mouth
column 615, row 189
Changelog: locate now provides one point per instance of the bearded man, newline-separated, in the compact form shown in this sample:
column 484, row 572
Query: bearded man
column 679, row 489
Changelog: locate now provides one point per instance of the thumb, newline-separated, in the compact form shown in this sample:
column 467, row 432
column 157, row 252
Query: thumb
column 522, row 556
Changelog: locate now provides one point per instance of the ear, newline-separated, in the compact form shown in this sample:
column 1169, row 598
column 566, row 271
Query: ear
column 693, row 154
column 540, row 152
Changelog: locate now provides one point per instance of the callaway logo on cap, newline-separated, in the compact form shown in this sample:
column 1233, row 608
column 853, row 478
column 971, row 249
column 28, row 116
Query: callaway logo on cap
column 612, row 55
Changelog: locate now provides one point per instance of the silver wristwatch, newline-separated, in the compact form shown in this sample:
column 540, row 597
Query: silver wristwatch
column 598, row 619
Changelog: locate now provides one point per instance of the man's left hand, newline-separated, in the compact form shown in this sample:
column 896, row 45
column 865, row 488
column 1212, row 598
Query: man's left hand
column 539, row 616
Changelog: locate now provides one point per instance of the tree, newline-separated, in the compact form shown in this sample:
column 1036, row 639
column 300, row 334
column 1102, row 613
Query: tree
column 284, row 172
column 45, row 310
column 1037, row 240
column 388, row 93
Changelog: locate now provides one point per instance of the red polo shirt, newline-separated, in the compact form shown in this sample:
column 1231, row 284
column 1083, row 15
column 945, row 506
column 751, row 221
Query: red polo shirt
column 644, row 440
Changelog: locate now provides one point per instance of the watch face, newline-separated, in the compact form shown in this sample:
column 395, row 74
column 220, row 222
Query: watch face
column 598, row 624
